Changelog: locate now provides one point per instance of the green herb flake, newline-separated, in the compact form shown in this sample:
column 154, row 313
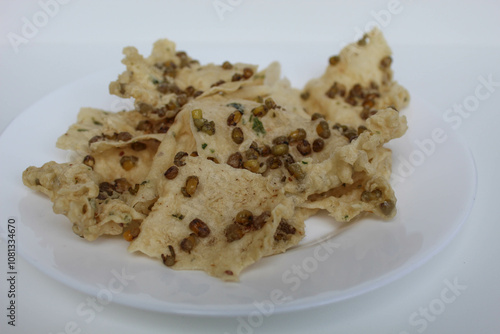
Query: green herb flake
column 204, row 145
column 304, row 162
column 82, row 130
column 237, row 106
column 96, row 122
column 257, row 125
column 178, row 216
column 212, row 150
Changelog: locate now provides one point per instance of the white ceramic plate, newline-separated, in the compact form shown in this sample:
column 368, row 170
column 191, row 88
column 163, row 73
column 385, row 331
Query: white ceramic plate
column 435, row 184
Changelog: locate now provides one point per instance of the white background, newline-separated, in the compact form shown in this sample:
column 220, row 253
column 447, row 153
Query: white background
column 441, row 48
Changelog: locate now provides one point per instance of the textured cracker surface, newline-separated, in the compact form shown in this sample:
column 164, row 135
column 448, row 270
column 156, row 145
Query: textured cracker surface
column 103, row 194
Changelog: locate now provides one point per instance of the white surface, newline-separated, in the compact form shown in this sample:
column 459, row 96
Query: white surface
column 456, row 41
column 337, row 261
